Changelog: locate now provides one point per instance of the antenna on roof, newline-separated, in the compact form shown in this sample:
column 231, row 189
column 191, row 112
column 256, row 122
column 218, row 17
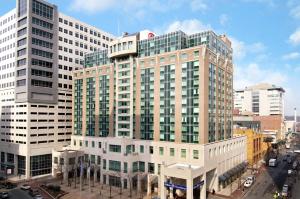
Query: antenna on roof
column 118, row 28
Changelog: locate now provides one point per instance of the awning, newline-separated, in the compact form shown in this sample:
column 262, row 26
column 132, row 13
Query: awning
column 235, row 170
column 240, row 167
column 226, row 175
column 231, row 172
column 222, row 178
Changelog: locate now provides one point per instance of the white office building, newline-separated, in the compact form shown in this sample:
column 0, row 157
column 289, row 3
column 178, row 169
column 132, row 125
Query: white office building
column 261, row 99
column 39, row 47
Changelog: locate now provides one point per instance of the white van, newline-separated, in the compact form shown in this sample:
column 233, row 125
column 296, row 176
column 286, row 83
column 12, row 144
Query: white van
column 272, row 162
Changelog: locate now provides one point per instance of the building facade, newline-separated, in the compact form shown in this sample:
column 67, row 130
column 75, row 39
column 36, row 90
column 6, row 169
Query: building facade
column 156, row 106
column 256, row 147
column 261, row 99
column 39, row 49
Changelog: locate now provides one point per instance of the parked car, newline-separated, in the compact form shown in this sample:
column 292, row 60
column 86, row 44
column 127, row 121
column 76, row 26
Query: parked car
column 272, row 162
column 4, row 195
column 249, row 181
column 25, row 187
column 290, row 172
column 295, row 164
column 284, row 158
column 286, row 191
column 10, row 185
column 289, row 160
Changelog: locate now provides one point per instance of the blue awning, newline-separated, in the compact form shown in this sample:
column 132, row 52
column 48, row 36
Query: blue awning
column 183, row 187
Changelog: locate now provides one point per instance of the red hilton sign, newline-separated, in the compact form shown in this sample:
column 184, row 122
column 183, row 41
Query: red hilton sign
column 150, row 35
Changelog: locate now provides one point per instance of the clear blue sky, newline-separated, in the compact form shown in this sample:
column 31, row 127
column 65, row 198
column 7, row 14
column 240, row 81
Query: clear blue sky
column 265, row 33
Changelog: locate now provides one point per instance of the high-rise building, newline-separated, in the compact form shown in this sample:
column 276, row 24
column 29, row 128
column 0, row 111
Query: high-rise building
column 266, row 103
column 262, row 99
column 39, row 47
column 156, row 111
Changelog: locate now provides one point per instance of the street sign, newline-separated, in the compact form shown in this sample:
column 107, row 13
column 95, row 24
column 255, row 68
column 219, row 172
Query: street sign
column 8, row 171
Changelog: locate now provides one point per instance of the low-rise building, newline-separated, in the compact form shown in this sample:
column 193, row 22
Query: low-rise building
column 257, row 146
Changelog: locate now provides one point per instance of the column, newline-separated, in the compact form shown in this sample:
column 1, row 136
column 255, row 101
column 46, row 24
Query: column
column 189, row 188
column 15, row 172
column 95, row 174
column 139, row 188
column 162, row 186
column 203, row 187
column 171, row 190
column 101, row 175
column 27, row 167
column 65, row 173
column 122, row 181
column 148, row 185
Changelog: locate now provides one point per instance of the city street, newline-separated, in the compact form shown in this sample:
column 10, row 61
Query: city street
column 272, row 179
column 18, row 194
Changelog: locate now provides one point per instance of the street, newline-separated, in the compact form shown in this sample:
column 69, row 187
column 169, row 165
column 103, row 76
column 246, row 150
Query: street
column 272, row 179
column 18, row 194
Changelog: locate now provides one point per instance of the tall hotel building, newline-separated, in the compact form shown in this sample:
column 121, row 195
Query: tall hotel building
column 156, row 111
column 39, row 48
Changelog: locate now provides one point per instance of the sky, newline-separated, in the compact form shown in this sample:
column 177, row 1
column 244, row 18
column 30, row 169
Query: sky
column 265, row 34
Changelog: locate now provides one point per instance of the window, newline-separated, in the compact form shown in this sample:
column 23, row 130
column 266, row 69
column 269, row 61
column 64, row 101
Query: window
column 151, row 167
column 104, row 164
column 141, row 148
column 115, row 148
column 161, row 150
column 125, row 167
column 172, row 152
column 22, row 32
column 151, row 149
column 135, row 167
column 22, row 7
column 142, row 166
column 21, row 82
column 114, row 165
column 196, row 54
column 42, row 23
column 22, row 42
column 22, row 22
column 42, row 10
column 183, row 153
column 21, row 52
column 195, row 154
column 99, row 145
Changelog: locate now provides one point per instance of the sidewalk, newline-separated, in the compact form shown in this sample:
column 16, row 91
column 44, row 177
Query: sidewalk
column 98, row 191
column 238, row 192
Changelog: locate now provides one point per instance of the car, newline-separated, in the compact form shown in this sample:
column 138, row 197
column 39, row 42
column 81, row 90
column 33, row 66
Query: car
column 25, row 187
column 38, row 196
column 284, row 158
column 290, row 172
column 249, row 181
column 10, row 185
column 286, row 190
column 289, row 160
column 4, row 195
column 295, row 164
